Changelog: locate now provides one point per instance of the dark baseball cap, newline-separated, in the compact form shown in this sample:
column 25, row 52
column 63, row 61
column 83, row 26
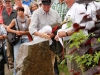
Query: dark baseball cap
column 46, row 2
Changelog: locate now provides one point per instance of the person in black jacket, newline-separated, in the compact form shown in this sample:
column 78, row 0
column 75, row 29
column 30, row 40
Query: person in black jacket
column 3, row 35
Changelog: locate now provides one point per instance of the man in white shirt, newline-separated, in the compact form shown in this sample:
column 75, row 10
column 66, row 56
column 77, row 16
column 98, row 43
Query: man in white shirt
column 44, row 16
column 78, row 11
column 83, row 12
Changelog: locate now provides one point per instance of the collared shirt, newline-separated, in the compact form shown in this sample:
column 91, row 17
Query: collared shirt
column 61, row 8
column 6, row 18
column 40, row 19
column 78, row 11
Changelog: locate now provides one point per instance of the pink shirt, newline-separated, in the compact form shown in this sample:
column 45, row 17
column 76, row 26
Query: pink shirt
column 1, row 17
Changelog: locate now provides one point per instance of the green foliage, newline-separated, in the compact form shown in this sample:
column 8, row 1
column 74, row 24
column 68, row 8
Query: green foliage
column 63, row 69
column 86, row 60
column 98, row 39
column 69, row 23
column 77, row 38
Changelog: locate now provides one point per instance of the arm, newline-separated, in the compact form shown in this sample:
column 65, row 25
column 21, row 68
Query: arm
column 34, row 26
column 64, row 33
column 10, row 26
column 34, row 23
column 12, row 30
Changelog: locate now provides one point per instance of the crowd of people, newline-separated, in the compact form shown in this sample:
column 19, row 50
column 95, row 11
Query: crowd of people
column 40, row 18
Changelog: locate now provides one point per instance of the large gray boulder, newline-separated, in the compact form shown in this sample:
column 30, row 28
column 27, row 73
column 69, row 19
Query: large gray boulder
column 34, row 58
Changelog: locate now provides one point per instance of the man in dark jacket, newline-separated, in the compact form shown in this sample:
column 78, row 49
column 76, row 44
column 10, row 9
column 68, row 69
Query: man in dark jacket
column 8, row 14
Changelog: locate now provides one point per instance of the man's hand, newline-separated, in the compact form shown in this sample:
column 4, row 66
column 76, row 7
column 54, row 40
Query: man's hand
column 64, row 34
column 44, row 35
column 56, row 38
column 18, row 33
column 51, row 35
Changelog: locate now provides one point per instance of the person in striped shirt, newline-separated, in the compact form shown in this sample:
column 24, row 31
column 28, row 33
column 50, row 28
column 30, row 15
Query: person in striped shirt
column 61, row 7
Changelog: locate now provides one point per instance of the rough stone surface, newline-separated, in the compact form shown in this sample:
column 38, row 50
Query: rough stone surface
column 34, row 59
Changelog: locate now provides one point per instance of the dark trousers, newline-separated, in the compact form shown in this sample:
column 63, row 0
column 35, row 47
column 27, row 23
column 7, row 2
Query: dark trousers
column 1, row 67
column 3, row 60
column 56, row 47
column 56, row 70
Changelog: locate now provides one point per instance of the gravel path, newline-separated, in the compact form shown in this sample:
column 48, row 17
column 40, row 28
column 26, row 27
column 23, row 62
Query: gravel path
column 8, row 71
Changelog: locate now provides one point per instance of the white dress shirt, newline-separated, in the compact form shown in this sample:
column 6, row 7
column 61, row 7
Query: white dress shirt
column 77, row 12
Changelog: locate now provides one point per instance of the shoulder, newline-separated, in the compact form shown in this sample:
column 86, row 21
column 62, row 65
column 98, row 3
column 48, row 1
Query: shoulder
column 53, row 11
column 96, row 3
column 36, row 12
column 14, row 10
column 76, row 5
column 13, row 21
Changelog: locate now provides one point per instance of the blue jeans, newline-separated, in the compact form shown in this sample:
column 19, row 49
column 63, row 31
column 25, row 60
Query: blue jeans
column 16, row 49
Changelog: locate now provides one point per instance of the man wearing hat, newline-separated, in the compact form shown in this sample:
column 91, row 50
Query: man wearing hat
column 44, row 16
column 8, row 15
column 83, row 12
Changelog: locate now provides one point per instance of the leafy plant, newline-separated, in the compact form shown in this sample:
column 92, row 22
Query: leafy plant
column 68, row 21
column 85, row 61
column 63, row 68
column 98, row 39
column 77, row 38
